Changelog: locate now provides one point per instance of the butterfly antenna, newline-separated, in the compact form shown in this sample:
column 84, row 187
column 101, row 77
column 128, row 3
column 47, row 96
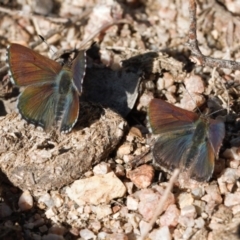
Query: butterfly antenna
column 219, row 110
column 43, row 39
column 192, row 99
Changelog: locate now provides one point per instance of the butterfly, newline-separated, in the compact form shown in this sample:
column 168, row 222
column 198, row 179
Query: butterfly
column 51, row 94
column 184, row 140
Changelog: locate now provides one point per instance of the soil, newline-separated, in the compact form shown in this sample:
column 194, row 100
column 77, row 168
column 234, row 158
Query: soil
column 135, row 51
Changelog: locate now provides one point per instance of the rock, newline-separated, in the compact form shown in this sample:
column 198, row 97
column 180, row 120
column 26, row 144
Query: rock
column 213, row 194
column 102, row 168
column 188, row 233
column 170, row 217
column 124, row 149
column 142, row 176
column 200, row 206
column 222, row 216
column 194, row 84
column 199, row 223
column 47, row 200
column 51, row 236
column 189, row 211
column 191, row 102
column 162, row 233
column 231, row 199
column 149, row 200
column 132, row 203
column 200, row 234
column 102, row 211
column 97, row 189
column 230, row 175
column 50, row 160
column 25, row 201
column 86, row 234
column 43, row 7
column 185, row 199
column 232, row 153
column 59, row 230
column 5, row 210
column 119, row 170
column 117, row 236
column 197, row 192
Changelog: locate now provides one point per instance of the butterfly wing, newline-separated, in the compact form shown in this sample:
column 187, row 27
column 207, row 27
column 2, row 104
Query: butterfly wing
column 78, row 70
column 203, row 166
column 174, row 128
column 70, row 112
column 165, row 117
column 170, row 148
column 184, row 140
column 38, row 103
column 27, row 67
column 216, row 134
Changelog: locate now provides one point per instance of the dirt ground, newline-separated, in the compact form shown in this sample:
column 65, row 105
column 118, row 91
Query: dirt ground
column 99, row 181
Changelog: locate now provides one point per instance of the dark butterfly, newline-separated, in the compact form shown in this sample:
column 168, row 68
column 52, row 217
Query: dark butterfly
column 51, row 94
column 184, row 139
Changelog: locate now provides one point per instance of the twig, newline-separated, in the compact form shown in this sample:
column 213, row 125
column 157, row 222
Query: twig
column 197, row 55
column 161, row 204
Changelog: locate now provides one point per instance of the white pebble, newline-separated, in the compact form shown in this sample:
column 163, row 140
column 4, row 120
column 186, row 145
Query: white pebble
column 199, row 223
column 162, row 233
column 101, row 169
column 188, row 233
column 132, row 203
column 25, row 201
column 87, row 234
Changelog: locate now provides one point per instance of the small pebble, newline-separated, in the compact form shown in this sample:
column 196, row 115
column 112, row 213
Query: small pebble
column 194, row 84
column 162, row 233
column 87, row 234
column 56, row 229
column 170, row 217
column 51, row 236
column 118, row 236
column 189, row 211
column 43, row 229
column 47, row 200
column 97, row 189
column 232, row 199
column 43, row 7
column 102, row 211
column 25, row 201
column 188, row 233
column 199, row 223
column 5, row 210
column 102, row 236
column 132, row 203
column 142, row 176
column 95, row 225
column 149, row 201
column 101, row 169
column 124, row 149
column 119, row 170
column 197, row 192
column 129, row 186
column 186, row 221
column 185, row 199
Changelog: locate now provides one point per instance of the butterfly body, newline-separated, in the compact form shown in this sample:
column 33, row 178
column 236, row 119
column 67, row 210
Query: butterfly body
column 51, row 94
column 184, row 140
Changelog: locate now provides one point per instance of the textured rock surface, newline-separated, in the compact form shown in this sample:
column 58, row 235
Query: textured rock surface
column 33, row 159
